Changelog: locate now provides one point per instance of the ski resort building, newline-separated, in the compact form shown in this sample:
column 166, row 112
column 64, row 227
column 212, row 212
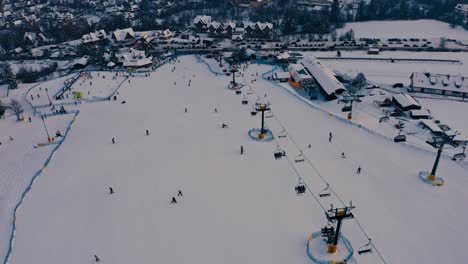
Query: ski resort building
column 134, row 58
column 324, row 77
column 300, row 78
column 405, row 102
column 453, row 85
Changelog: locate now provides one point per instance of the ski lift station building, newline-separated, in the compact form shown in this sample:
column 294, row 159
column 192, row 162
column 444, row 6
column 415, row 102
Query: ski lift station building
column 324, row 77
column 405, row 102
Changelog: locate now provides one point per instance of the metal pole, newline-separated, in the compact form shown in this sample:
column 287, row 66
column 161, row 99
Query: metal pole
column 436, row 163
column 45, row 127
column 263, row 121
column 337, row 235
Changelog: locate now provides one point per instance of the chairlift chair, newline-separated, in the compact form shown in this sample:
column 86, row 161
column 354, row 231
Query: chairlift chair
column 253, row 112
column 244, row 101
column 299, row 158
column 238, row 92
column 459, row 156
column 300, row 188
column 346, row 108
column 282, row 134
column 367, row 248
column 279, row 153
column 399, row 138
column 325, row 192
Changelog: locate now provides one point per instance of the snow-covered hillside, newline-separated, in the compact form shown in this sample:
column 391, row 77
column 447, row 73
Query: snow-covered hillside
column 235, row 208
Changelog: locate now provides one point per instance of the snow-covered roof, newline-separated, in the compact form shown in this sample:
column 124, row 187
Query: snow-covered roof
column 283, row 56
column 282, row 75
column 420, row 112
column 456, row 83
column 204, row 19
column 122, row 34
column 462, row 7
column 166, row 34
column 323, row 75
column 405, row 100
column 431, row 126
column 94, row 36
column 134, row 58
column 298, row 72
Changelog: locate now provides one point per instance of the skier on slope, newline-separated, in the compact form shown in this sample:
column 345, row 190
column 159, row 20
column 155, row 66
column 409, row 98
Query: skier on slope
column 242, row 150
column 343, row 155
column 359, row 170
column 113, row 140
column 180, row 193
column 173, row 201
column 111, row 190
column 96, row 258
column 330, row 137
column 147, row 132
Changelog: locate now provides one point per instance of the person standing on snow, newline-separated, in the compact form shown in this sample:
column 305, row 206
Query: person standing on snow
column 330, row 137
column 359, row 170
column 180, row 193
column 242, row 150
column 111, row 190
column 343, row 155
column 173, row 201
column 147, row 132
column 113, row 140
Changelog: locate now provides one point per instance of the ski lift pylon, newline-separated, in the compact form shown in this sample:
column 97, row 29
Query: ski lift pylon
column 367, row 248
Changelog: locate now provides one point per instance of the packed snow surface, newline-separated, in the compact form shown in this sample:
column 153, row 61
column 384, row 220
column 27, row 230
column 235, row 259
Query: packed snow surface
column 235, row 208
column 405, row 29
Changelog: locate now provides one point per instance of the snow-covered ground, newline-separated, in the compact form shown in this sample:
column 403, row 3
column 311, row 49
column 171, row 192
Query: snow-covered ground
column 405, row 29
column 452, row 113
column 386, row 72
column 19, row 159
column 91, row 86
column 235, row 208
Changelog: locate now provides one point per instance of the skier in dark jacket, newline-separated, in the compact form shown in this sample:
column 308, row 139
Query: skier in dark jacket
column 111, row 190
column 242, row 150
column 180, row 193
column 113, row 140
column 173, row 201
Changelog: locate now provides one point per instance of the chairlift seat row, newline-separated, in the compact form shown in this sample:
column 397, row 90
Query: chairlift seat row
column 367, row 248
column 399, row 138
column 325, row 192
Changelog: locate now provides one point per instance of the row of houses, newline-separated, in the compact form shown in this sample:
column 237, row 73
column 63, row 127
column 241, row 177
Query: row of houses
column 439, row 84
column 251, row 3
column 236, row 31
column 126, row 35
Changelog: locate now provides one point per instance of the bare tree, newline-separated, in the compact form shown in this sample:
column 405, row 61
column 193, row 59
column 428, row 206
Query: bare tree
column 443, row 43
column 359, row 81
column 17, row 108
column 3, row 109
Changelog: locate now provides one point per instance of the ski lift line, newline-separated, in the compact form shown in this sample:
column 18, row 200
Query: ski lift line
column 323, row 179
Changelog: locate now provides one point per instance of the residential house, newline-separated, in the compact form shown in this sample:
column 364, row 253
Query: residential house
column 201, row 22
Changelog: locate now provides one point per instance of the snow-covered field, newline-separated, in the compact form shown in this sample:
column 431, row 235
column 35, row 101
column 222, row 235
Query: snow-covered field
column 405, row 29
column 236, row 208
column 386, row 72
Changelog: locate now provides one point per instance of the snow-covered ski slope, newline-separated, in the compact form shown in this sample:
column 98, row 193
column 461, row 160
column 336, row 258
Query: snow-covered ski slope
column 235, row 209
